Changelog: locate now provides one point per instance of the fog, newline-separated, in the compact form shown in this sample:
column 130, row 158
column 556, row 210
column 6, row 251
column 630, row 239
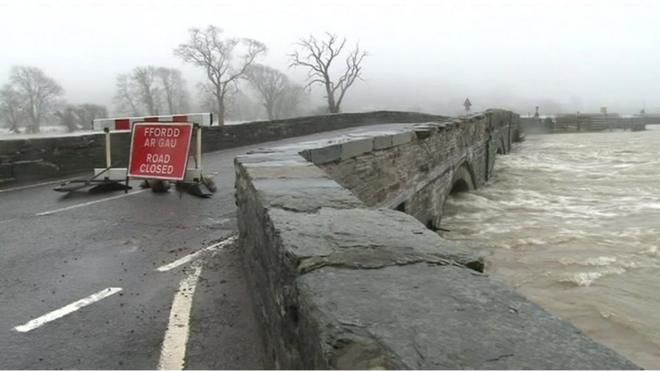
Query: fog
column 424, row 55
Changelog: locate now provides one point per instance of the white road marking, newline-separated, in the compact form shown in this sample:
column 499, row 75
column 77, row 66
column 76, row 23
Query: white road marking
column 35, row 185
column 90, row 203
column 48, row 317
column 188, row 258
column 173, row 350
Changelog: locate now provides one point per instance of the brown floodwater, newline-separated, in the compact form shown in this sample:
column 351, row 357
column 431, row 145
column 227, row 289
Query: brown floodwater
column 572, row 221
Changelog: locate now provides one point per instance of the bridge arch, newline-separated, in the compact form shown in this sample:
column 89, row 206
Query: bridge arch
column 463, row 179
column 501, row 147
column 516, row 135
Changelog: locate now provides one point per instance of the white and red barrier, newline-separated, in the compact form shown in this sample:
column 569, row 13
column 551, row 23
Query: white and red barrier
column 123, row 124
column 160, row 149
column 126, row 123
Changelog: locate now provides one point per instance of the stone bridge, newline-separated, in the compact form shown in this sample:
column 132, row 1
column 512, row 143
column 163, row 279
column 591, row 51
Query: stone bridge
column 346, row 272
column 336, row 238
column 416, row 176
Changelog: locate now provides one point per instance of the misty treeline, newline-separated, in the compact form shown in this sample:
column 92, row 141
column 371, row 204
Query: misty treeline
column 236, row 85
column 150, row 90
column 31, row 98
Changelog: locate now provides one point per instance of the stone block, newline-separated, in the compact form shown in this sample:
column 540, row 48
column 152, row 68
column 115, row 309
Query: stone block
column 303, row 194
column 356, row 147
column 362, row 238
column 424, row 316
column 402, row 138
column 441, row 125
column 478, row 116
column 425, row 126
column 272, row 158
column 284, row 170
column 424, row 132
column 323, row 155
column 382, row 142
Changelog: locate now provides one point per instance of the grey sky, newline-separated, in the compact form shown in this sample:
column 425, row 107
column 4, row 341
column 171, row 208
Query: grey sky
column 426, row 54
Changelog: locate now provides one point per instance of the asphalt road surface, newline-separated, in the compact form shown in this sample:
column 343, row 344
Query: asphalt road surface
column 126, row 281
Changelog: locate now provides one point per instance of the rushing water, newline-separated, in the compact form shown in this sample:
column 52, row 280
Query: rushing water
column 572, row 221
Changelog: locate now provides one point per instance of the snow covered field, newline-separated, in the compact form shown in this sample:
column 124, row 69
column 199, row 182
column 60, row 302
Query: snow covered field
column 56, row 131
column 46, row 131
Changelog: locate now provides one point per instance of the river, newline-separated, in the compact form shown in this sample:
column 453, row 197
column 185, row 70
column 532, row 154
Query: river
column 572, row 221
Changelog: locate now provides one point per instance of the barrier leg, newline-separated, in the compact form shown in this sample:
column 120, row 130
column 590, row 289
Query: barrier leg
column 108, row 155
column 199, row 147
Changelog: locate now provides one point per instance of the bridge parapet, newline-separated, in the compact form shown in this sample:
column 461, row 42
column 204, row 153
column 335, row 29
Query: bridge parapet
column 341, row 280
column 586, row 122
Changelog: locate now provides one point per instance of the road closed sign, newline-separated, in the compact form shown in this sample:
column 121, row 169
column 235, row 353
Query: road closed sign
column 160, row 150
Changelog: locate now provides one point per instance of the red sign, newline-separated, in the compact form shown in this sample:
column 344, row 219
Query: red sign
column 160, row 150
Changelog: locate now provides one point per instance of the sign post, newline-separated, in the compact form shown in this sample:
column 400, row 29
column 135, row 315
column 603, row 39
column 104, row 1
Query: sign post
column 160, row 150
column 467, row 104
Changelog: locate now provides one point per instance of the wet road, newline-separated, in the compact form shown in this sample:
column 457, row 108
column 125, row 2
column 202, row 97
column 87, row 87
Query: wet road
column 81, row 286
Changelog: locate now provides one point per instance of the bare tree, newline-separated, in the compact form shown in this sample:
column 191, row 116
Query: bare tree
column 68, row 118
column 217, row 57
column 318, row 57
column 125, row 98
column 10, row 108
column 241, row 107
column 37, row 91
column 238, row 106
column 87, row 112
column 205, row 98
column 146, row 86
column 174, row 89
column 80, row 116
column 270, row 84
column 289, row 104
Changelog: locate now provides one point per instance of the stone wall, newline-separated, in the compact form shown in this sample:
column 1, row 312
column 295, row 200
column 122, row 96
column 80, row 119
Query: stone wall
column 341, row 282
column 48, row 157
